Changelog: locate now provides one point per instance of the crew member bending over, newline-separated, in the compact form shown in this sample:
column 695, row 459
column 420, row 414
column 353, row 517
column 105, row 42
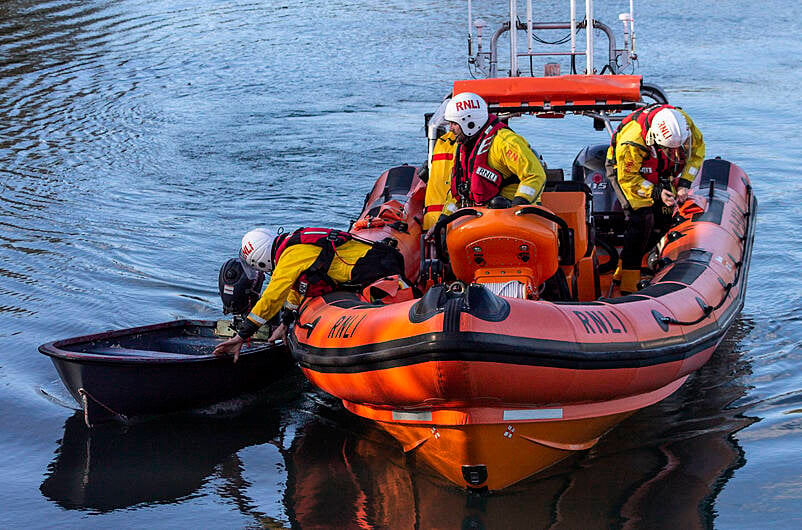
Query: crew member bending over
column 307, row 262
column 653, row 159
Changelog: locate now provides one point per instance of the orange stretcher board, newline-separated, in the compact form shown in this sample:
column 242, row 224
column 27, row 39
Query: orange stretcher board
column 577, row 90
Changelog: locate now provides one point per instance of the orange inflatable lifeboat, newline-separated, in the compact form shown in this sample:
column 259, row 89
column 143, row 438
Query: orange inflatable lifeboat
column 486, row 379
column 517, row 349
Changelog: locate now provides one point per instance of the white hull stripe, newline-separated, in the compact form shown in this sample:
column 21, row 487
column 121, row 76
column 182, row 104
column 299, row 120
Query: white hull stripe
column 412, row 416
column 533, row 414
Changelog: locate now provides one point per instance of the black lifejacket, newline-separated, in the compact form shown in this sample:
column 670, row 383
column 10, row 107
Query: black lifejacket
column 655, row 165
column 315, row 280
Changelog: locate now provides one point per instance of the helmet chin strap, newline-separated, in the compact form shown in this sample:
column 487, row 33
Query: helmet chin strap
column 466, row 140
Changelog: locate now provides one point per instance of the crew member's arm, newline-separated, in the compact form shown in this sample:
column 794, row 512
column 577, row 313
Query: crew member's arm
column 694, row 161
column 629, row 155
column 437, row 187
column 274, row 296
column 288, row 315
column 294, row 260
column 511, row 154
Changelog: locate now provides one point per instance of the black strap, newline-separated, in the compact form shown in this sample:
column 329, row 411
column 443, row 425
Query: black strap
column 319, row 270
column 288, row 316
column 639, row 146
column 247, row 329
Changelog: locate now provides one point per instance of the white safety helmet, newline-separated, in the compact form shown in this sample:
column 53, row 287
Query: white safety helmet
column 257, row 249
column 467, row 110
column 669, row 128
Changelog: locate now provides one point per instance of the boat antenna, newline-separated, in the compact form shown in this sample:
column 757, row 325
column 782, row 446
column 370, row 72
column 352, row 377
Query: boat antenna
column 632, row 28
column 627, row 55
column 513, row 38
column 589, row 20
column 573, row 36
column 529, row 34
column 470, row 29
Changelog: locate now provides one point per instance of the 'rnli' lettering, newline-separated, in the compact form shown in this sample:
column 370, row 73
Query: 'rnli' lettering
column 597, row 322
column 487, row 174
column 467, row 104
column 664, row 129
column 345, row 326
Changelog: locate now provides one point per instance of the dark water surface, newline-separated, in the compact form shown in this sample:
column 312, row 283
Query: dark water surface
column 139, row 140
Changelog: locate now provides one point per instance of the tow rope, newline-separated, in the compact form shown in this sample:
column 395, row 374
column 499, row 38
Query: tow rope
column 86, row 396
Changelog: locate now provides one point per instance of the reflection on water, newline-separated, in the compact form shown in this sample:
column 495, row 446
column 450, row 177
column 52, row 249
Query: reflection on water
column 112, row 466
column 661, row 468
column 137, row 138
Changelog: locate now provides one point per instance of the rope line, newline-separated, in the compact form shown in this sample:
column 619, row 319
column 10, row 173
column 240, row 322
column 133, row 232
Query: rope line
column 86, row 395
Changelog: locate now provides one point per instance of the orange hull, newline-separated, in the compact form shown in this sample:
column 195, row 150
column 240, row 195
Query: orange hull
column 495, row 456
column 493, row 447
column 490, row 389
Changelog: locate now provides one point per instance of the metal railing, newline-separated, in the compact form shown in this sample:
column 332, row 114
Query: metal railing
column 487, row 61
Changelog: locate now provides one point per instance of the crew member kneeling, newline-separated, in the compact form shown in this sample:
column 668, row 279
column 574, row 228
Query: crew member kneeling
column 307, row 262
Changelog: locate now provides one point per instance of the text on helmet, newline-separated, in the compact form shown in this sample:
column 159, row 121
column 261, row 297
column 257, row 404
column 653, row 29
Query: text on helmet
column 247, row 248
column 467, row 104
column 664, row 130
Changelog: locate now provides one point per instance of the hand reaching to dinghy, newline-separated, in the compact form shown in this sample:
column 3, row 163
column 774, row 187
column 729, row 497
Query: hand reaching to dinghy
column 279, row 334
column 230, row 346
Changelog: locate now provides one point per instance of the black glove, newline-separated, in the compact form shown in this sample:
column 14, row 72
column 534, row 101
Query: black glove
column 288, row 316
column 657, row 192
column 247, row 329
column 499, row 202
column 682, row 183
column 519, row 201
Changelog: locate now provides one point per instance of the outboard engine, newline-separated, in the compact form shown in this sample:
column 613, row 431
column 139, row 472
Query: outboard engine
column 240, row 287
column 608, row 216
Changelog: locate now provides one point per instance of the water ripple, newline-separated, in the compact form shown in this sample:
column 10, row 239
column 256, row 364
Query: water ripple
column 140, row 139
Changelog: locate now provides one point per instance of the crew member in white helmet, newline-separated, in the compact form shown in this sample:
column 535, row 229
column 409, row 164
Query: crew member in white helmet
column 654, row 157
column 490, row 159
column 304, row 263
